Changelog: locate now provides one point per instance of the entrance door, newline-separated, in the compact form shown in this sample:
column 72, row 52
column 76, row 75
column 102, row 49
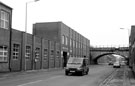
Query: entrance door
column 64, row 59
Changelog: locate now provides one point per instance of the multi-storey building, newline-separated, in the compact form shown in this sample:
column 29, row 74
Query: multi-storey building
column 49, row 46
column 132, row 48
column 5, row 36
column 71, row 42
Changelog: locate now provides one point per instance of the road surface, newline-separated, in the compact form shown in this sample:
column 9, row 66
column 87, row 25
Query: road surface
column 97, row 74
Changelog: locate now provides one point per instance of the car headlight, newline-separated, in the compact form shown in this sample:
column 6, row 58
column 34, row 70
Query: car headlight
column 67, row 68
column 79, row 68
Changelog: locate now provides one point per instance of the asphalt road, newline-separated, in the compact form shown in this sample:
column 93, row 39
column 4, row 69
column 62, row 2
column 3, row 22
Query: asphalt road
column 97, row 74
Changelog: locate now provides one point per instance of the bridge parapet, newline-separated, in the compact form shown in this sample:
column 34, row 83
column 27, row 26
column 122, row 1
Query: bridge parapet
column 96, row 53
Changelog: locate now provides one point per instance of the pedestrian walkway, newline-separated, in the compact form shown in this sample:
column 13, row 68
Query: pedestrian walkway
column 131, row 77
column 120, row 77
column 11, row 74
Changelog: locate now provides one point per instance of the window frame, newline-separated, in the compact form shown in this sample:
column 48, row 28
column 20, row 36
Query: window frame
column 5, row 19
column 3, row 56
column 66, row 40
column 15, row 54
column 28, row 52
column 37, row 52
column 70, row 42
column 63, row 39
column 45, row 54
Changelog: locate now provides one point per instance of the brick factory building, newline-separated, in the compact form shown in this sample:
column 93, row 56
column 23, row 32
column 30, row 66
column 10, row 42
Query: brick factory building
column 71, row 42
column 49, row 46
column 5, row 36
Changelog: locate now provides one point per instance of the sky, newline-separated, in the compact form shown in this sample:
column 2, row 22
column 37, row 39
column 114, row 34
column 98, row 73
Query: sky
column 98, row 20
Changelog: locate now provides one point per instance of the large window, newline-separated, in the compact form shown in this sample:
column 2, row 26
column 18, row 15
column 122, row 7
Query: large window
column 4, row 20
column 45, row 54
column 63, row 39
column 28, row 52
column 52, row 52
column 73, row 43
column 70, row 42
column 3, row 53
column 76, row 44
column 66, row 40
column 16, row 48
column 37, row 52
column 58, row 54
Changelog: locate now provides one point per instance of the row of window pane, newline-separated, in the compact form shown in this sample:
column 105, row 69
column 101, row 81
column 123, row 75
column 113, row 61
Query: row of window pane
column 57, row 54
column 16, row 48
column 28, row 52
column 64, row 40
column 45, row 54
column 37, row 52
column 4, row 20
column 3, row 53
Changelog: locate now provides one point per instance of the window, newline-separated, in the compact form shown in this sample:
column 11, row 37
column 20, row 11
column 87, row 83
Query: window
column 28, row 52
column 66, row 40
column 63, row 39
column 52, row 52
column 79, row 45
column 76, row 45
column 4, row 20
column 16, row 48
column 57, row 54
column 3, row 53
column 37, row 52
column 45, row 54
column 73, row 43
column 70, row 42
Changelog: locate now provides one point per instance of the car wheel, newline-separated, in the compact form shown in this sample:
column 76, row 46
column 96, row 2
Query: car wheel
column 86, row 72
column 66, row 73
column 82, row 73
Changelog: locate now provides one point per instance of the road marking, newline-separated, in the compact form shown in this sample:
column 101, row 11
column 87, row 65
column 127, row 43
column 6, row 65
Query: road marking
column 39, row 81
column 108, row 79
column 30, row 83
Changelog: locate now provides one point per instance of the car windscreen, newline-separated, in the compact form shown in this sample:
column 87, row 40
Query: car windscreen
column 75, row 61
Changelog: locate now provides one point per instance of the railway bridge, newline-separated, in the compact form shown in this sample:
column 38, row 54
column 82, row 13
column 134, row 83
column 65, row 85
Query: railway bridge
column 97, row 53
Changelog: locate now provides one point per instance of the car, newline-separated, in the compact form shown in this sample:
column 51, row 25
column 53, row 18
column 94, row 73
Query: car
column 77, row 65
column 123, row 63
column 110, row 63
column 116, row 65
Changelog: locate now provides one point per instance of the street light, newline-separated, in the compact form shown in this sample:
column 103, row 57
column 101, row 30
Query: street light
column 26, row 28
column 128, row 34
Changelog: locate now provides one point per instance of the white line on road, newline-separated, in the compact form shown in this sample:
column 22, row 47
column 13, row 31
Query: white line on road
column 39, row 81
column 30, row 83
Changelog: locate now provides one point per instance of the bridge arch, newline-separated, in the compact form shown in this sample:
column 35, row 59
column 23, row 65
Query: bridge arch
column 99, row 56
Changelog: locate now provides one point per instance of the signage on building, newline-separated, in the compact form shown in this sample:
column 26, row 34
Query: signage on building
column 65, row 48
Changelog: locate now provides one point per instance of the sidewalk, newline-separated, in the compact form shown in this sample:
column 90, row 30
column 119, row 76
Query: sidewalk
column 10, row 74
column 131, row 77
column 122, row 77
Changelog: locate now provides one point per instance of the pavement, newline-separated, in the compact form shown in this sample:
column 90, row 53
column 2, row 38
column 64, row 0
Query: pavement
column 130, row 77
column 5, row 75
column 123, row 76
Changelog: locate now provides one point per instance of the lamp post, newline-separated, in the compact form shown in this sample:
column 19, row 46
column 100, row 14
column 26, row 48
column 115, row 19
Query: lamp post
column 26, row 29
column 128, row 34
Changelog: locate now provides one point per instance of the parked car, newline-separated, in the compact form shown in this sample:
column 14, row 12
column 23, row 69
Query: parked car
column 77, row 65
column 110, row 63
column 123, row 63
column 116, row 65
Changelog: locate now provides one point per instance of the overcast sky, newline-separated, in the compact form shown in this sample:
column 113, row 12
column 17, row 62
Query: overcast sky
column 98, row 20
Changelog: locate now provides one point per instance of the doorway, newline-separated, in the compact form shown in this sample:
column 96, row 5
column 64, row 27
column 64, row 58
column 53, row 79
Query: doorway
column 64, row 59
